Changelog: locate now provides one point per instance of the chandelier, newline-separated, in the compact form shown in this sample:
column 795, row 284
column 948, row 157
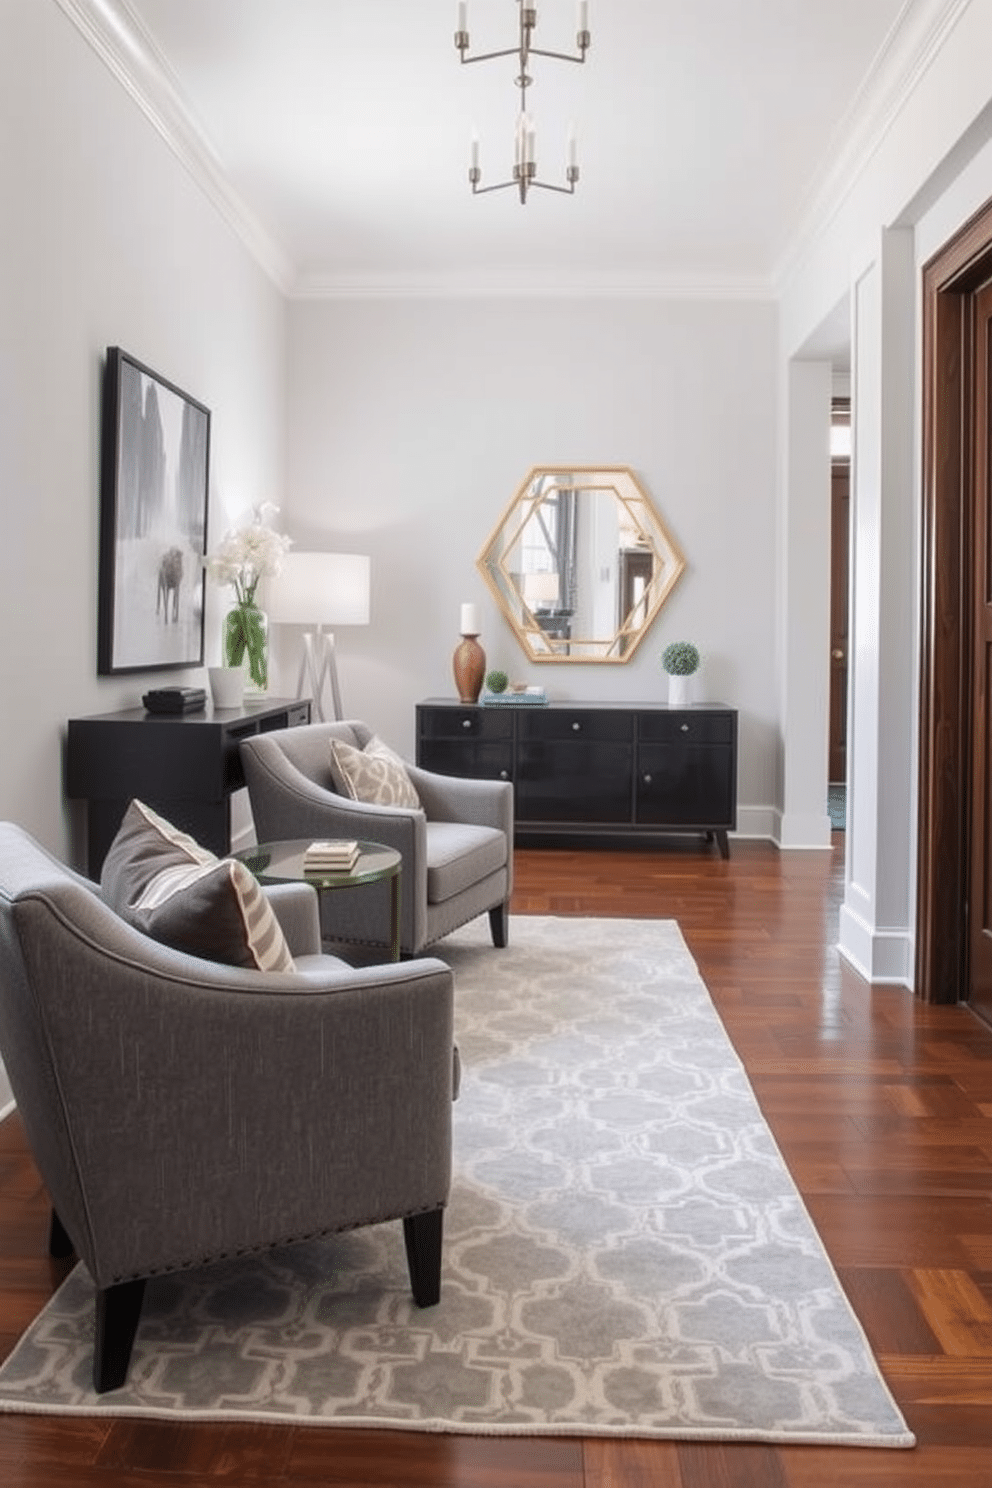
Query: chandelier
column 525, row 156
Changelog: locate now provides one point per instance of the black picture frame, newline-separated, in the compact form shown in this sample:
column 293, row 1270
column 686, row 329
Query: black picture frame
column 154, row 479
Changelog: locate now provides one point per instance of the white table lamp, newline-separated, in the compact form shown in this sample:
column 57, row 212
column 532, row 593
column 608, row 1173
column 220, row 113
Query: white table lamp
column 318, row 589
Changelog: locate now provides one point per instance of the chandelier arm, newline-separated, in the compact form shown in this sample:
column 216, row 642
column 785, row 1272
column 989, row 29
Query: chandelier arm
column 558, row 56
column 568, row 190
column 488, row 56
column 501, row 186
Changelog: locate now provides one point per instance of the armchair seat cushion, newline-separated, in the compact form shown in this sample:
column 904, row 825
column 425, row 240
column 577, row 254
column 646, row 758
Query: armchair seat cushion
column 460, row 855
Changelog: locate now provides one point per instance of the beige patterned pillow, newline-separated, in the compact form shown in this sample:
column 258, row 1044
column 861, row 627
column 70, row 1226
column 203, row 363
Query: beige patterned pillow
column 374, row 775
column 165, row 884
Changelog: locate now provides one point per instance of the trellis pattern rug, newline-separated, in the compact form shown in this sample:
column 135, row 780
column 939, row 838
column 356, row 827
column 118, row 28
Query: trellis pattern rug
column 625, row 1251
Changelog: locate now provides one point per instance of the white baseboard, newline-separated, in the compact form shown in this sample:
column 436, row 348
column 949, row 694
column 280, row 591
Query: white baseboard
column 882, row 957
column 757, row 822
column 798, row 829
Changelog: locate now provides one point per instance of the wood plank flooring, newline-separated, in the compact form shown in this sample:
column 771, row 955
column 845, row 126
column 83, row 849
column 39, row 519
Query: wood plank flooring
column 883, row 1111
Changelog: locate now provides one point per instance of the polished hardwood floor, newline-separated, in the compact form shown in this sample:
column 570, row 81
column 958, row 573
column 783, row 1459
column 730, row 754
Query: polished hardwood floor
column 883, row 1111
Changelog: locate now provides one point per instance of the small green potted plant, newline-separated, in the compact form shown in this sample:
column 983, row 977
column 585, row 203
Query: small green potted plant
column 681, row 661
column 497, row 681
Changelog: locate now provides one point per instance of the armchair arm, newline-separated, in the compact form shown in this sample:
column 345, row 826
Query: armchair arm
column 297, row 909
column 484, row 803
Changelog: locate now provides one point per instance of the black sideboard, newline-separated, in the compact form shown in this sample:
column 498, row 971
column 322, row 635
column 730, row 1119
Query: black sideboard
column 184, row 765
column 584, row 773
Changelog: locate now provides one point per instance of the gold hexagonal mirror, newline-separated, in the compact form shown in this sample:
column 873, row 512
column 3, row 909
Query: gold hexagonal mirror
column 580, row 563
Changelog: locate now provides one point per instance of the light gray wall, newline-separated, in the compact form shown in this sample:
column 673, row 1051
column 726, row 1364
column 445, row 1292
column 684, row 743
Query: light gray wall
column 413, row 422
column 106, row 240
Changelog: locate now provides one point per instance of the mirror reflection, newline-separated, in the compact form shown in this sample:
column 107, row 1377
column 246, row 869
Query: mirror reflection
column 580, row 564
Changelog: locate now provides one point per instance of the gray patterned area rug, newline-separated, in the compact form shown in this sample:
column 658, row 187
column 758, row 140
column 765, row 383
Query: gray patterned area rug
column 625, row 1251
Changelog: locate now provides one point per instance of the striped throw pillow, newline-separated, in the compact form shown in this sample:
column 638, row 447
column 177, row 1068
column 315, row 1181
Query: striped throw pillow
column 165, row 884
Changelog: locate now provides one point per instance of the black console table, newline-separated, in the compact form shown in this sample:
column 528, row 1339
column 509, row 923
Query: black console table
column 185, row 765
column 584, row 773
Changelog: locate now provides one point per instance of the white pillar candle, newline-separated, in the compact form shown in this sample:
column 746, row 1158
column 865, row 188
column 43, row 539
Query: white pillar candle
column 583, row 15
column 462, row 16
column 470, row 619
column 475, row 149
column 527, row 140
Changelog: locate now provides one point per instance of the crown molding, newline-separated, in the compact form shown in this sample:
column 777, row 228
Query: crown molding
column 121, row 42
column 116, row 34
column 534, row 284
column 914, row 41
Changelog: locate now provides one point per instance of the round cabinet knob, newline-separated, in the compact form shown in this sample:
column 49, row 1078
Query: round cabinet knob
column 685, row 728
column 837, row 655
column 466, row 723
column 647, row 780
column 576, row 727
column 504, row 774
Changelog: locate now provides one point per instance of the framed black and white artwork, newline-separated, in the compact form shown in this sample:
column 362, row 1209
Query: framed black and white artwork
column 155, row 462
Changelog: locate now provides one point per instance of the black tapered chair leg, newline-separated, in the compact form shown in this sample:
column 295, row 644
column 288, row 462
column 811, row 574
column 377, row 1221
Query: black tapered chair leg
column 59, row 1243
column 118, row 1309
column 422, row 1235
column 499, row 925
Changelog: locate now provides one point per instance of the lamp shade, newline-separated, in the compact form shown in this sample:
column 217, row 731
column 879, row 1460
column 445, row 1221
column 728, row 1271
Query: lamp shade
column 320, row 589
column 540, row 588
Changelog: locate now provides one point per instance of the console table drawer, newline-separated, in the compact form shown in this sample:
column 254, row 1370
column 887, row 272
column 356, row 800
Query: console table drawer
column 578, row 723
column 685, row 726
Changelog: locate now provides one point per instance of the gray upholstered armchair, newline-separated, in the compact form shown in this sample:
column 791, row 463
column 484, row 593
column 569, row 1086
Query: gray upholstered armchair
column 180, row 1110
column 457, row 846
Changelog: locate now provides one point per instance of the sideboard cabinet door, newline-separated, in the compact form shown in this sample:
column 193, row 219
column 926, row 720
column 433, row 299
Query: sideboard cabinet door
column 574, row 766
column 687, row 770
column 475, row 743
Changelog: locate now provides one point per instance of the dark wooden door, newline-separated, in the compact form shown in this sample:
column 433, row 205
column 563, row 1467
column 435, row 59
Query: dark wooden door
column 980, row 876
column 840, row 510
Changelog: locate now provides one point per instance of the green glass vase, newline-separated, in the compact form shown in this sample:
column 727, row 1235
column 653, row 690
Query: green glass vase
column 246, row 644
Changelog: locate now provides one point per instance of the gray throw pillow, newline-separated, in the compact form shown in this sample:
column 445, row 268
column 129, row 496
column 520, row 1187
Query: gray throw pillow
column 374, row 775
column 165, row 884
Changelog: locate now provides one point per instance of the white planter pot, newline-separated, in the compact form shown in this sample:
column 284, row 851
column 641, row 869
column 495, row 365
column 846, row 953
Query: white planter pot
column 680, row 690
column 227, row 686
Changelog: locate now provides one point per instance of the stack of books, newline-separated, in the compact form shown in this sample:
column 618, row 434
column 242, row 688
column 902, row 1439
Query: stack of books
column 532, row 696
column 334, row 856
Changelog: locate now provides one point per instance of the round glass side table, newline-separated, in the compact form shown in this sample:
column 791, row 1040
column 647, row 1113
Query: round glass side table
column 282, row 862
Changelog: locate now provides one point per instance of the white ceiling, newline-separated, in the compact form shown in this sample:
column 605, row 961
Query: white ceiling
column 336, row 132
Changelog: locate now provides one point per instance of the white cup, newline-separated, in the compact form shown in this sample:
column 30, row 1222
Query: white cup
column 227, row 686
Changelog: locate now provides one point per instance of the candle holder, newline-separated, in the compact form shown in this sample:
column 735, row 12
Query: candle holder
column 469, row 666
